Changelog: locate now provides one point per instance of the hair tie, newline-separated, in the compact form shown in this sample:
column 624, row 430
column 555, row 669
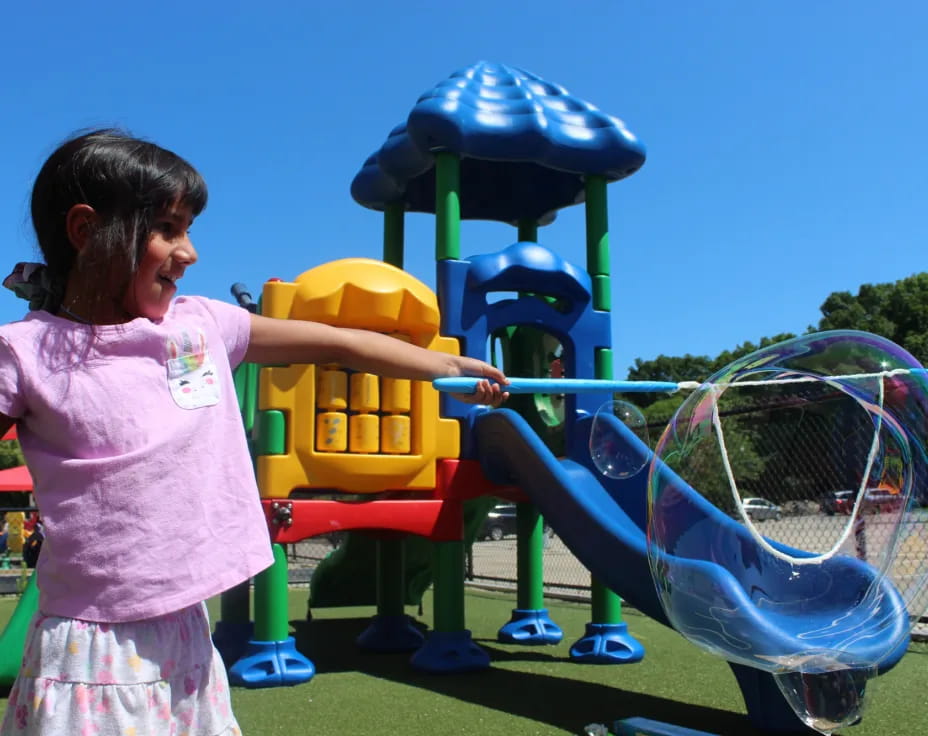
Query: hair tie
column 30, row 281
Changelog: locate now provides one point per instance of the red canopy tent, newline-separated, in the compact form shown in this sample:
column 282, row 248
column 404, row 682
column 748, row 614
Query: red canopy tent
column 14, row 479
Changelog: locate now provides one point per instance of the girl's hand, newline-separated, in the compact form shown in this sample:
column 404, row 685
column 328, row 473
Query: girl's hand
column 489, row 391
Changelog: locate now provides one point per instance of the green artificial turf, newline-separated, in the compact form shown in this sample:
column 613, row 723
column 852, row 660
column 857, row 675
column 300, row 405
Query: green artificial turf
column 527, row 690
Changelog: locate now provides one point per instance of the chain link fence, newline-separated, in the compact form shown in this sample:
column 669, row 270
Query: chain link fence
column 799, row 456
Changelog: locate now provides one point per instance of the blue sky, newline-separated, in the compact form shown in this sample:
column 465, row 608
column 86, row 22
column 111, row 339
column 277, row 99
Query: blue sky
column 786, row 140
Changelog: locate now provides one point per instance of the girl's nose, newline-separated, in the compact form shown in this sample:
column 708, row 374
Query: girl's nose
column 186, row 253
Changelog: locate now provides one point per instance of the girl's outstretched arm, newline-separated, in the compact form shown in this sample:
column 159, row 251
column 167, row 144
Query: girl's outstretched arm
column 277, row 341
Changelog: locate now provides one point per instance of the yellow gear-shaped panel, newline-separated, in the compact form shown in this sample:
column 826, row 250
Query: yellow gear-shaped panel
column 351, row 431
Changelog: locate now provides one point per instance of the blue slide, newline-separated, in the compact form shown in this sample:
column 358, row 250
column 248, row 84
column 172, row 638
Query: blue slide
column 603, row 521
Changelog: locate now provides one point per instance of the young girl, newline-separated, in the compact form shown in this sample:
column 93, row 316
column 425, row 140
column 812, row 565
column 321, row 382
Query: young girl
column 128, row 419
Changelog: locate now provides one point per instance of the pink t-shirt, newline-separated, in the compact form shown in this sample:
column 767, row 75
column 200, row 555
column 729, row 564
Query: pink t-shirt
column 135, row 443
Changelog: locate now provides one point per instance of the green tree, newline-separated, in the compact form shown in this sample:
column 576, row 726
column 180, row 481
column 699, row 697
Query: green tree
column 897, row 311
column 771, row 445
column 10, row 455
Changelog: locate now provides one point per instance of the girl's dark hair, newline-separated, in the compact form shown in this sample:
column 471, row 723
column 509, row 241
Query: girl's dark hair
column 128, row 182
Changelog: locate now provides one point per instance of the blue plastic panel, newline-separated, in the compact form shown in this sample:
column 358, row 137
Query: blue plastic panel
column 525, row 145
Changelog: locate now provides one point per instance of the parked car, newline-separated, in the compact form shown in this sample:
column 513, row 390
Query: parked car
column 760, row 509
column 882, row 499
column 501, row 522
column 837, row 502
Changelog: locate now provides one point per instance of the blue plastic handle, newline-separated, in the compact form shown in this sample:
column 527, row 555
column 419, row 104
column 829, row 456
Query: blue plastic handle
column 557, row 385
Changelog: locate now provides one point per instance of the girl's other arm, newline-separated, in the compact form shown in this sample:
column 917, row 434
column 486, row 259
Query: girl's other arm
column 278, row 341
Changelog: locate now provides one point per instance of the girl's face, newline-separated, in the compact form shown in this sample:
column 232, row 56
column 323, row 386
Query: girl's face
column 167, row 256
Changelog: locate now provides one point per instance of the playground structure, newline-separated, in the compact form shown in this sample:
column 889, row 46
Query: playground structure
column 342, row 451
column 569, row 304
column 13, row 637
column 493, row 143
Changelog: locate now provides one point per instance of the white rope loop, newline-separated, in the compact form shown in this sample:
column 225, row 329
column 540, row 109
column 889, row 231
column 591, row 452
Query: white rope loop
column 871, row 458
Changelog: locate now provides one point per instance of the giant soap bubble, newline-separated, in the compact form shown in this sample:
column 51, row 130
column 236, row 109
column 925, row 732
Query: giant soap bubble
column 783, row 529
column 612, row 454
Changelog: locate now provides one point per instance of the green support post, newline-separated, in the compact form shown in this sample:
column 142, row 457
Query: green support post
column 271, row 437
column 530, row 557
column 271, row 619
column 606, row 605
column 390, row 557
column 528, row 231
column 449, row 587
column 235, row 604
column 246, row 389
column 597, row 227
column 394, row 233
column 233, row 629
column 271, row 658
column 530, row 623
column 390, row 570
column 607, row 639
column 449, row 647
column 447, row 206
column 267, row 655
column 391, row 630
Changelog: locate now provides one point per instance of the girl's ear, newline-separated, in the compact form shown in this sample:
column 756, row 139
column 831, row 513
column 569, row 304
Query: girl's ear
column 80, row 223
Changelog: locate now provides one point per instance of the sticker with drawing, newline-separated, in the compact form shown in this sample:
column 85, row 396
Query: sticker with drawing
column 192, row 375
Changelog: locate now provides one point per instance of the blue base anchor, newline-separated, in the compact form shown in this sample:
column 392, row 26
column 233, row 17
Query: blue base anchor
column 271, row 663
column 531, row 626
column 607, row 644
column 391, row 633
column 450, row 651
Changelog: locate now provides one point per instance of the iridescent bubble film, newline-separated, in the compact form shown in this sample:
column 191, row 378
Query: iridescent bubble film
column 785, row 526
column 612, row 455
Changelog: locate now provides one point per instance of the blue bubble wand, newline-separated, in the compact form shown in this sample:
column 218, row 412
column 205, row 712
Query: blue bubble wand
column 467, row 385
column 564, row 385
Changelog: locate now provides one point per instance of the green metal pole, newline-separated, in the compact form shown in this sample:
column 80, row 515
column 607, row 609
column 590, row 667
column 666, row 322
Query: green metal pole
column 597, row 240
column 449, row 556
column 449, row 586
column 390, row 554
column 528, row 231
column 447, row 206
column 390, row 575
column 235, row 604
column 529, row 557
column 606, row 605
column 394, row 233
column 271, row 620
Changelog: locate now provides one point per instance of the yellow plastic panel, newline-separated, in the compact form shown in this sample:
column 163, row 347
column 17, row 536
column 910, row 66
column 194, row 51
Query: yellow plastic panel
column 365, row 392
column 395, row 431
column 332, row 431
column 396, row 395
column 364, row 433
column 332, row 392
column 369, row 295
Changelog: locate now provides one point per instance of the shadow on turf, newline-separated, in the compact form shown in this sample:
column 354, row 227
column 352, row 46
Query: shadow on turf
column 561, row 702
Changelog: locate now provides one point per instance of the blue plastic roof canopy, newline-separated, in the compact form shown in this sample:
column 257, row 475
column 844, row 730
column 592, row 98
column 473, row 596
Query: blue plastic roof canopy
column 525, row 145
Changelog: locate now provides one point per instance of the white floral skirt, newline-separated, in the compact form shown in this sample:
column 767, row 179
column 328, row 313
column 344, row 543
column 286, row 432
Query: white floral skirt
column 157, row 677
